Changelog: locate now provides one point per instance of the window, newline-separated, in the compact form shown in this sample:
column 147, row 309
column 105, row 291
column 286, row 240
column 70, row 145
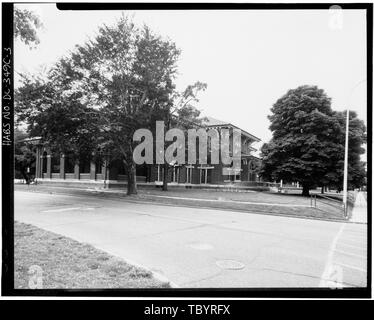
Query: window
column 99, row 165
column 189, row 175
column 206, row 175
column 84, row 165
column 44, row 169
column 69, row 163
column 55, row 161
column 160, row 173
column 175, row 176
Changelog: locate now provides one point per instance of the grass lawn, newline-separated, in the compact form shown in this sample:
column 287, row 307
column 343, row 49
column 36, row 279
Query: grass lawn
column 68, row 264
column 281, row 204
column 260, row 202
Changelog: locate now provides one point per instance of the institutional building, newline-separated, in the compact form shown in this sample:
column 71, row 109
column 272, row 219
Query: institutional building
column 104, row 172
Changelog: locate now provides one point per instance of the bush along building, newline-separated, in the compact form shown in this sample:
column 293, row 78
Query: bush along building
column 101, row 171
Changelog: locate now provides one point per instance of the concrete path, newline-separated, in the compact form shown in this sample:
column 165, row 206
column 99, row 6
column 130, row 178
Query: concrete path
column 359, row 212
column 195, row 247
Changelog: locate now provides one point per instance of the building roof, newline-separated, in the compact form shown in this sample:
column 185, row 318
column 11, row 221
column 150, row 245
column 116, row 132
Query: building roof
column 215, row 122
column 212, row 122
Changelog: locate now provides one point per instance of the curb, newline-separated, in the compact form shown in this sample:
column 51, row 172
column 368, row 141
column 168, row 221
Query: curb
column 158, row 276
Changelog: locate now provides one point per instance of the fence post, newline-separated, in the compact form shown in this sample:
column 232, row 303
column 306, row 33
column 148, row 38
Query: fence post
column 315, row 201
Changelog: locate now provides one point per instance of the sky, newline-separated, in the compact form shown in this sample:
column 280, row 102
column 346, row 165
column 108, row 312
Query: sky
column 248, row 59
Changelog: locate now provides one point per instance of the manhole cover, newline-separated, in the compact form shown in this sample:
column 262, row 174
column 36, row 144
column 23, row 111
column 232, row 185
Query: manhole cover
column 230, row 264
column 201, row 246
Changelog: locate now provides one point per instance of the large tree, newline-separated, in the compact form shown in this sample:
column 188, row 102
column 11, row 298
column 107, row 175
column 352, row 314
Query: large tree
column 53, row 112
column 308, row 140
column 26, row 24
column 116, row 83
column 97, row 96
column 127, row 75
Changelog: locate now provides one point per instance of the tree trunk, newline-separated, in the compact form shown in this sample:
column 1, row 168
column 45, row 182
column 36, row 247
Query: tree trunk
column 305, row 191
column 131, row 180
column 165, row 182
column 25, row 175
column 323, row 189
column 166, row 165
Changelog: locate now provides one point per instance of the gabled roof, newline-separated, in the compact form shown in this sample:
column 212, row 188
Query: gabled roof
column 212, row 122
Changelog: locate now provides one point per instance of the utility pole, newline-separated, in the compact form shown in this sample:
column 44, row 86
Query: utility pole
column 345, row 182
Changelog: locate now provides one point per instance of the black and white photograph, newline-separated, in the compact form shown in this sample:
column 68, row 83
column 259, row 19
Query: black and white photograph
column 187, row 149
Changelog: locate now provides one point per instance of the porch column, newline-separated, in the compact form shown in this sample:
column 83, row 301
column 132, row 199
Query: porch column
column 92, row 170
column 76, row 169
column 62, row 166
column 41, row 165
column 37, row 164
column 49, row 166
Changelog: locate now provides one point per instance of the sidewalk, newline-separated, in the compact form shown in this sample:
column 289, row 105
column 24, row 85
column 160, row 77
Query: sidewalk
column 359, row 212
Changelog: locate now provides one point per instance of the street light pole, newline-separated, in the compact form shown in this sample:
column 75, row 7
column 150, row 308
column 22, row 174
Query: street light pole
column 345, row 182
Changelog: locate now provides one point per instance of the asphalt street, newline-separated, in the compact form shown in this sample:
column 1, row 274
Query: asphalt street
column 194, row 247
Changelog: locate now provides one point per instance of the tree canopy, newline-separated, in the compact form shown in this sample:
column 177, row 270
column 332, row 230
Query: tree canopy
column 308, row 141
column 26, row 24
column 97, row 96
column 24, row 156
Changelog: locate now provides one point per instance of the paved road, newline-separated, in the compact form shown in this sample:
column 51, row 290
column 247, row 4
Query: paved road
column 195, row 247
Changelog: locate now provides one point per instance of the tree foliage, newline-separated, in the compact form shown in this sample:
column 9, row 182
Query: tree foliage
column 96, row 97
column 57, row 116
column 24, row 156
column 356, row 138
column 308, row 140
column 184, row 115
column 26, row 24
